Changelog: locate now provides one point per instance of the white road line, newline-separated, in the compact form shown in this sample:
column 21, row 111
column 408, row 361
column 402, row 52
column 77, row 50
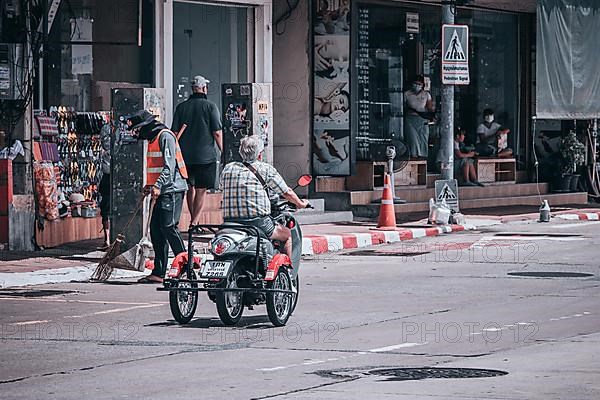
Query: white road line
column 114, row 310
column 580, row 224
column 396, row 347
column 48, row 300
column 312, row 362
column 278, row 368
column 42, row 321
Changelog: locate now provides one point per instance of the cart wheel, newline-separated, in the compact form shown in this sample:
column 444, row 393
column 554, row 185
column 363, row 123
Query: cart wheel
column 280, row 305
column 230, row 305
column 295, row 286
column 183, row 303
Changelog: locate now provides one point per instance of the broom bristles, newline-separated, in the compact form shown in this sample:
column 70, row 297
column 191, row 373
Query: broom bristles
column 103, row 271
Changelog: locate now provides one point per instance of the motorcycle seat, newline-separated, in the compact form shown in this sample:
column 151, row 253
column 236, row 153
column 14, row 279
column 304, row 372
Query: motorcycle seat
column 231, row 228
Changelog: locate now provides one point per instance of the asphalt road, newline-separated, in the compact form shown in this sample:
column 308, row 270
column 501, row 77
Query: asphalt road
column 441, row 305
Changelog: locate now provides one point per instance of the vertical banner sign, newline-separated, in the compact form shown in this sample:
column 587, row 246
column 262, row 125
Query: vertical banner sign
column 455, row 54
column 331, row 141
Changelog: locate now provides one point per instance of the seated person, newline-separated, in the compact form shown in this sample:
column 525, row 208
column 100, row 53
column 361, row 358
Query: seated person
column 245, row 199
column 491, row 139
column 463, row 160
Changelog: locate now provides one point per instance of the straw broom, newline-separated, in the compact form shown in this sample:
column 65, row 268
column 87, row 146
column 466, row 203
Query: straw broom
column 104, row 270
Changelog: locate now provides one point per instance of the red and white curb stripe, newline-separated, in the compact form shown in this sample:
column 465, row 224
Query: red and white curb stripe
column 319, row 244
column 580, row 216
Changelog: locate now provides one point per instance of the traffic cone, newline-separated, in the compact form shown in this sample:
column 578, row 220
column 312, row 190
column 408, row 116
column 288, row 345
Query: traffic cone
column 387, row 215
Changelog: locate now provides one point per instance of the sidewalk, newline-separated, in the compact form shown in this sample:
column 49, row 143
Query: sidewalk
column 76, row 262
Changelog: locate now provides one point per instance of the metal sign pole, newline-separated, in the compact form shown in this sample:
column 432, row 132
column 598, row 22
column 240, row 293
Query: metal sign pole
column 447, row 107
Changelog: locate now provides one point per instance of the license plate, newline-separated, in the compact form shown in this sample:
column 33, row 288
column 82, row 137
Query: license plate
column 215, row 269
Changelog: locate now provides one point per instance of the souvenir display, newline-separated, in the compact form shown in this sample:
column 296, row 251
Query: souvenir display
column 45, row 189
column 71, row 142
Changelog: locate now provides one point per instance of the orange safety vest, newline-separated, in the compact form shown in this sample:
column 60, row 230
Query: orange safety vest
column 154, row 159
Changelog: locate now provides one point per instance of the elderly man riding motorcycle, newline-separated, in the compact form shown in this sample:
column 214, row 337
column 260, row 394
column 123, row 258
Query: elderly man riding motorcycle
column 247, row 188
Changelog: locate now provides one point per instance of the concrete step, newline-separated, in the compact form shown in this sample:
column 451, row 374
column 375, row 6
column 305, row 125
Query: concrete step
column 318, row 204
column 555, row 199
column 319, row 217
column 417, row 195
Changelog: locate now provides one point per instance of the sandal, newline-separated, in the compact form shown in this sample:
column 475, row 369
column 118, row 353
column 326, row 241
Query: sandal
column 148, row 279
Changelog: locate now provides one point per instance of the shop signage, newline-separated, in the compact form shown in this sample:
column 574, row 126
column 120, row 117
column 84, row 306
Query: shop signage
column 412, row 23
column 447, row 190
column 455, row 54
column 262, row 107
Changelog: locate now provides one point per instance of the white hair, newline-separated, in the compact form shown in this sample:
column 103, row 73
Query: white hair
column 250, row 148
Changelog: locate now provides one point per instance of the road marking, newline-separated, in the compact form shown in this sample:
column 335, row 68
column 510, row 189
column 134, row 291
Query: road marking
column 48, row 300
column 278, row 368
column 395, row 347
column 580, row 224
column 312, row 362
column 114, row 310
column 360, row 353
column 41, row 321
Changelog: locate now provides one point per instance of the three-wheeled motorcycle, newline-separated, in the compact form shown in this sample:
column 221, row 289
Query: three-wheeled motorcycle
column 247, row 269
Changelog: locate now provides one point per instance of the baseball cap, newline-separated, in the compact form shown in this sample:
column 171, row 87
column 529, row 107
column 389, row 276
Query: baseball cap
column 199, row 81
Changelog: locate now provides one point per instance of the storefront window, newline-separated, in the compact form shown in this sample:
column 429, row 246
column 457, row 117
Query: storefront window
column 493, row 67
column 94, row 44
column 211, row 41
column 395, row 43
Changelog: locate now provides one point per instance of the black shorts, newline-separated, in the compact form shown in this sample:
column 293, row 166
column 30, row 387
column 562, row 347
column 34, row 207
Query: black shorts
column 202, row 176
column 104, row 190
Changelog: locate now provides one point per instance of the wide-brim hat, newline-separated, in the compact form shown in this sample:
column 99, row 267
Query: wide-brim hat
column 138, row 120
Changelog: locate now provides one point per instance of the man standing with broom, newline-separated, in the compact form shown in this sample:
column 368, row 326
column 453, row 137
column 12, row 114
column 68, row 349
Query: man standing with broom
column 165, row 182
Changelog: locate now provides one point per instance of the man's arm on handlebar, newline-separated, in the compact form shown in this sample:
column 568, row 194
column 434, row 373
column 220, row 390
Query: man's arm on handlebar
column 292, row 197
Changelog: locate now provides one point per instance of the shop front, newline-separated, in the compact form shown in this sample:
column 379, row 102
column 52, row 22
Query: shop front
column 367, row 54
column 106, row 58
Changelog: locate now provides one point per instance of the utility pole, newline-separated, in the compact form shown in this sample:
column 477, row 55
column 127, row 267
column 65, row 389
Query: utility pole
column 447, row 109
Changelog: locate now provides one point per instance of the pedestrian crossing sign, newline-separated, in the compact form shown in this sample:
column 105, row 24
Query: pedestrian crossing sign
column 455, row 54
column 447, row 190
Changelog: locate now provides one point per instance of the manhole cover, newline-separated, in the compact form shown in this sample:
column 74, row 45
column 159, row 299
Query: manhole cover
column 386, row 253
column 412, row 374
column 541, row 274
column 35, row 293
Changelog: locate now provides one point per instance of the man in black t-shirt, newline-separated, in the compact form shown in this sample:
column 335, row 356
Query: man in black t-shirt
column 201, row 143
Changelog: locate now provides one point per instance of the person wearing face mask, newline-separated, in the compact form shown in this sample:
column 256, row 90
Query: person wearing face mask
column 419, row 109
column 491, row 137
column 165, row 182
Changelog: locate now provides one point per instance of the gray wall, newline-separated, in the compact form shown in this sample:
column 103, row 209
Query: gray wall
column 217, row 48
column 291, row 77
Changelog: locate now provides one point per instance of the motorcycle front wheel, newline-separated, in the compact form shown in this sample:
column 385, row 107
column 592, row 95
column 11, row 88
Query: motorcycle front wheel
column 183, row 303
column 280, row 305
column 230, row 305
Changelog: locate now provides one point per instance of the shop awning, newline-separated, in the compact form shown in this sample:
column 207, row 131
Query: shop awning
column 567, row 60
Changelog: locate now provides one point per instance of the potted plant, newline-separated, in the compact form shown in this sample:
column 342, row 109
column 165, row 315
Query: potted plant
column 572, row 152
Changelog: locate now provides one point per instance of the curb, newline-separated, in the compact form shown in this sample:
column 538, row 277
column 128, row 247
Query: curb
column 320, row 244
column 580, row 216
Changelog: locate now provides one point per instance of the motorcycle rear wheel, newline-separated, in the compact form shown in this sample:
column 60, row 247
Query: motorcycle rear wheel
column 230, row 305
column 296, row 283
column 280, row 305
column 183, row 303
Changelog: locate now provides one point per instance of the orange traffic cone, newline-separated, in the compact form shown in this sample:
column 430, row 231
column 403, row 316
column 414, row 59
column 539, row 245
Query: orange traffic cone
column 387, row 215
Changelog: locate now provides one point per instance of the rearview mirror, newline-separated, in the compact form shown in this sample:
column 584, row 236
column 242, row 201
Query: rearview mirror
column 304, row 180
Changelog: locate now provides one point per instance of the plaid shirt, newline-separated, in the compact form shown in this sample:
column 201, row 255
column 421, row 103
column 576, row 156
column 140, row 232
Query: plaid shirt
column 244, row 195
